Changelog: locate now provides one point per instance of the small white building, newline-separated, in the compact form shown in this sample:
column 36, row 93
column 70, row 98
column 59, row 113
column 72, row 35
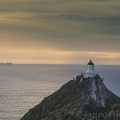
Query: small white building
column 90, row 70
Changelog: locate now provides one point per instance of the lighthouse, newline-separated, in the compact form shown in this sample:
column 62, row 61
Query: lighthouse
column 90, row 70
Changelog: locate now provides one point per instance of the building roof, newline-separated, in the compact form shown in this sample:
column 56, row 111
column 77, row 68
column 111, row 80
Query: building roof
column 90, row 63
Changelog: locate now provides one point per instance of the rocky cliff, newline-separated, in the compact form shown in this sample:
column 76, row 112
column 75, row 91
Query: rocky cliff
column 96, row 89
column 76, row 100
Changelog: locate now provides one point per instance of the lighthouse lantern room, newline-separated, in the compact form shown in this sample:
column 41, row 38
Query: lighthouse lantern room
column 90, row 70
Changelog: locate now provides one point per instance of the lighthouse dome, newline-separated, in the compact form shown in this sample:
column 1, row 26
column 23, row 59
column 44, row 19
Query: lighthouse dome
column 90, row 63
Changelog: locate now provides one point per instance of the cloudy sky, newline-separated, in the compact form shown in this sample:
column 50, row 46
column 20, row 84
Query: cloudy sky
column 60, row 31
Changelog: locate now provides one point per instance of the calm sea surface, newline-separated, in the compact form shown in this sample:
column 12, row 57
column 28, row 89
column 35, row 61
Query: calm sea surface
column 24, row 86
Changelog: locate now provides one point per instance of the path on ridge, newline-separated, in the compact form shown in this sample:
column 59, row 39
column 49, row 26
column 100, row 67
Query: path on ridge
column 83, row 102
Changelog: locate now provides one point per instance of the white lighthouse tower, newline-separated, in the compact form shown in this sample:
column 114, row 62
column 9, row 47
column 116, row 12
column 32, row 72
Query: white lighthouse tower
column 90, row 70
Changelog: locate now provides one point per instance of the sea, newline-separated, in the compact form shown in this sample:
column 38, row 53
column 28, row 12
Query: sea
column 24, row 86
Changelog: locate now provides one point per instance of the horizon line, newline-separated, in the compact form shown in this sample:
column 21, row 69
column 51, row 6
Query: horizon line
column 56, row 64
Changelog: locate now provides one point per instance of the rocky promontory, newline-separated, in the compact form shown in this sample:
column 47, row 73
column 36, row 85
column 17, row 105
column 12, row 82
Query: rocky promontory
column 80, row 99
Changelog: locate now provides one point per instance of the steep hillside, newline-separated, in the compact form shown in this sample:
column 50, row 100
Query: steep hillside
column 63, row 104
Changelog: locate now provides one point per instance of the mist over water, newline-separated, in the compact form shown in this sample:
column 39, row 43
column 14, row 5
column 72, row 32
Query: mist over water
column 24, row 86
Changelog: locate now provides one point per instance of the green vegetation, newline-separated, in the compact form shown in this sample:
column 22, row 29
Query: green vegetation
column 115, row 112
column 58, row 106
column 111, row 100
column 62, row 104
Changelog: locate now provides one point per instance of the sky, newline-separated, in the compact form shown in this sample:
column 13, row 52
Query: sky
column 60, row 31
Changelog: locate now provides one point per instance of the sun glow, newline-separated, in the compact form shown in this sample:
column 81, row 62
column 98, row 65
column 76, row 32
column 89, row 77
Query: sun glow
column 29, row 56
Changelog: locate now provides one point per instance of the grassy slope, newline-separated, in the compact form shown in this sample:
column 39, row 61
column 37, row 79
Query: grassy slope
column 62, row 104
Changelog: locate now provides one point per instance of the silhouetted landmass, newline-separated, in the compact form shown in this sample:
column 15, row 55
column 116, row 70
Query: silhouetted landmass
column 7, row 64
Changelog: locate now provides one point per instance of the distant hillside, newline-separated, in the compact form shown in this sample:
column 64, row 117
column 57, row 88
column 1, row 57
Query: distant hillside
column 7, row 64
column 70, row 102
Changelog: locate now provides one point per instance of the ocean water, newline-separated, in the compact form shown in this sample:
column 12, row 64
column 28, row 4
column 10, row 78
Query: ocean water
column 24, row 86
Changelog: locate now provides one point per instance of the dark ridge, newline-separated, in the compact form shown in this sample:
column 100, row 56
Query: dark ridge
column 62, row 104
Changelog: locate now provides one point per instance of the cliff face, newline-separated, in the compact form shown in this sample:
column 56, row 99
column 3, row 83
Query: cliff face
column 99, row 92
column 95, row 89
column 81, row 96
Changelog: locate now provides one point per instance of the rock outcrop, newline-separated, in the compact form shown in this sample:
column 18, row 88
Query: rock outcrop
column 99, row 92
column 96, row 89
